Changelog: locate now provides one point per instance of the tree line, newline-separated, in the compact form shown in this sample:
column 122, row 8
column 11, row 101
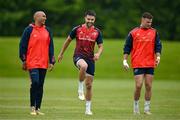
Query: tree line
column 115, row 18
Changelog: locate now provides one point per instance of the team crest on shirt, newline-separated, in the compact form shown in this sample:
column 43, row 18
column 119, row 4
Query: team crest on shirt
column 137, row 34
column 81, row 32
column 34, row 35
column 94, row 33
column 149, row 33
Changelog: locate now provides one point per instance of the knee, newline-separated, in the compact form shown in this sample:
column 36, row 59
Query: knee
column 138, row 87
column 89, row 86
column 84, row 67
column 148, row 87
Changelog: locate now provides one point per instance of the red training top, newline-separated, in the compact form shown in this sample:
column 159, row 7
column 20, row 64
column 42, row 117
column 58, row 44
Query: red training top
column 38, row 48
column 143, row 50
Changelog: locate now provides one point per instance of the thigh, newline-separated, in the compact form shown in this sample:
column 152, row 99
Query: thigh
column 79, row 61
column 42, row 74
column 34, row 75
column 148, row 79
column 139, row 80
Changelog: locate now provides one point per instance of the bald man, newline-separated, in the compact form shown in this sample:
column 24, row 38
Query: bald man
column 36, row 51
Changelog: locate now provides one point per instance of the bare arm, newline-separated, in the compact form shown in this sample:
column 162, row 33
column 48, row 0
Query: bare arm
column 64, row 47
column 99, row 52
column 157, row 58
column 125, row 57
column 125, row 63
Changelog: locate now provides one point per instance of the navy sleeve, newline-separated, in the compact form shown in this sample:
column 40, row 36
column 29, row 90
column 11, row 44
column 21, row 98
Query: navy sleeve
column 99, row 39
column 23, row 45
column 128, row 44
column 158, row 45
column 72, row 34
column 51, row 48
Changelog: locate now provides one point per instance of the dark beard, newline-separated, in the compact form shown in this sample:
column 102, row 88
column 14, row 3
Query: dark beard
column 89, row 24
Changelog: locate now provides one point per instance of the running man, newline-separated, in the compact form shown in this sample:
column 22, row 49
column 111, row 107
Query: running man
column 84, row 58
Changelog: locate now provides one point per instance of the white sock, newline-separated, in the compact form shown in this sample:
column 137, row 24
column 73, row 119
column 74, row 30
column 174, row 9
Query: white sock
column 147, row 106
column 88, row 105
column 80, row 86
column 136, row 105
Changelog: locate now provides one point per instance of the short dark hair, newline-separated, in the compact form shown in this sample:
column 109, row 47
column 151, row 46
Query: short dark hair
column 90, row 12
column 147, row 15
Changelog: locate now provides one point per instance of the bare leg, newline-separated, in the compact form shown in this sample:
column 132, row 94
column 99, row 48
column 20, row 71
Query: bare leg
column 82, row 74
column 148, row 92
column 137, row 92
column 88, row 82
column 148, row 86
column 138, row 86
column 82, row 69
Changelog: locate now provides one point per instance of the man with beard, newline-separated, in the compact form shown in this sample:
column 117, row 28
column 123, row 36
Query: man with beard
column 144, row 44
column 84, row 58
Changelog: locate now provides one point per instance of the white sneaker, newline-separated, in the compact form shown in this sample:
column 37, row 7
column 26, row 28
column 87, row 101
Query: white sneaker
column 88, row 112
column 147, row 112
column 136, row 113
column 33, row 111
column 38, row 112
column 136, row 110
column 81, row 96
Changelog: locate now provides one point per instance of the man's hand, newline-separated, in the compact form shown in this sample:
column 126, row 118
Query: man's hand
column 60, row 57
column 51, row 66
column 157, row 60
column 96, row 57
column 125, row 64
column 24, row 66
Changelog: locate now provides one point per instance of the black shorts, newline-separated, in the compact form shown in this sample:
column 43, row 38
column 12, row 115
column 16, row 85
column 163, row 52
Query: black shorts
column 138, row 71
column 91, row 65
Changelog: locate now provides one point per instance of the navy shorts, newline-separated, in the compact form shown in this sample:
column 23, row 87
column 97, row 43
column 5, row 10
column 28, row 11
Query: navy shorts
column 138, row 71
column 91, row 65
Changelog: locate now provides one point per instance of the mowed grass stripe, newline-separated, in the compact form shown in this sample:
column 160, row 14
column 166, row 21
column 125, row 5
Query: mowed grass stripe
column 112, row 100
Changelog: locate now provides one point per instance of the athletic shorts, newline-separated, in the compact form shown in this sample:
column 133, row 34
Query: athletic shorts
column 138, row 71
column 91, row 65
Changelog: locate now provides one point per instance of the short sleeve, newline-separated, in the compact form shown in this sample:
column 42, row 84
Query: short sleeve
column 99, row 39
column 72, row 34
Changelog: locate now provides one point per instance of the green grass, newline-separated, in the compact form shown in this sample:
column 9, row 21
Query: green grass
column 113, row 87
column 109, row 65
column 112, row 99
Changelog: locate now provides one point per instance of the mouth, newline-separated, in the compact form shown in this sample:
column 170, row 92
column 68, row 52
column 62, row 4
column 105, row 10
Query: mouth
column 89, row 24
column 43, row 22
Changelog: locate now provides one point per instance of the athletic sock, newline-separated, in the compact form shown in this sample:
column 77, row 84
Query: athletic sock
column 147, row 106
column 136, row 105
column 80, row 86
column 88, row 105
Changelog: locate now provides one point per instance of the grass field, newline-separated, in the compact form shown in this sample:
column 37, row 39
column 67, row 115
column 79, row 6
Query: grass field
column 113, row 87
column 109, row 65
column 112, row 100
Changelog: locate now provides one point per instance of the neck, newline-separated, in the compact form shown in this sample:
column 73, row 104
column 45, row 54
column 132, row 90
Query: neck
column 142, row 26
column 38, row 24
